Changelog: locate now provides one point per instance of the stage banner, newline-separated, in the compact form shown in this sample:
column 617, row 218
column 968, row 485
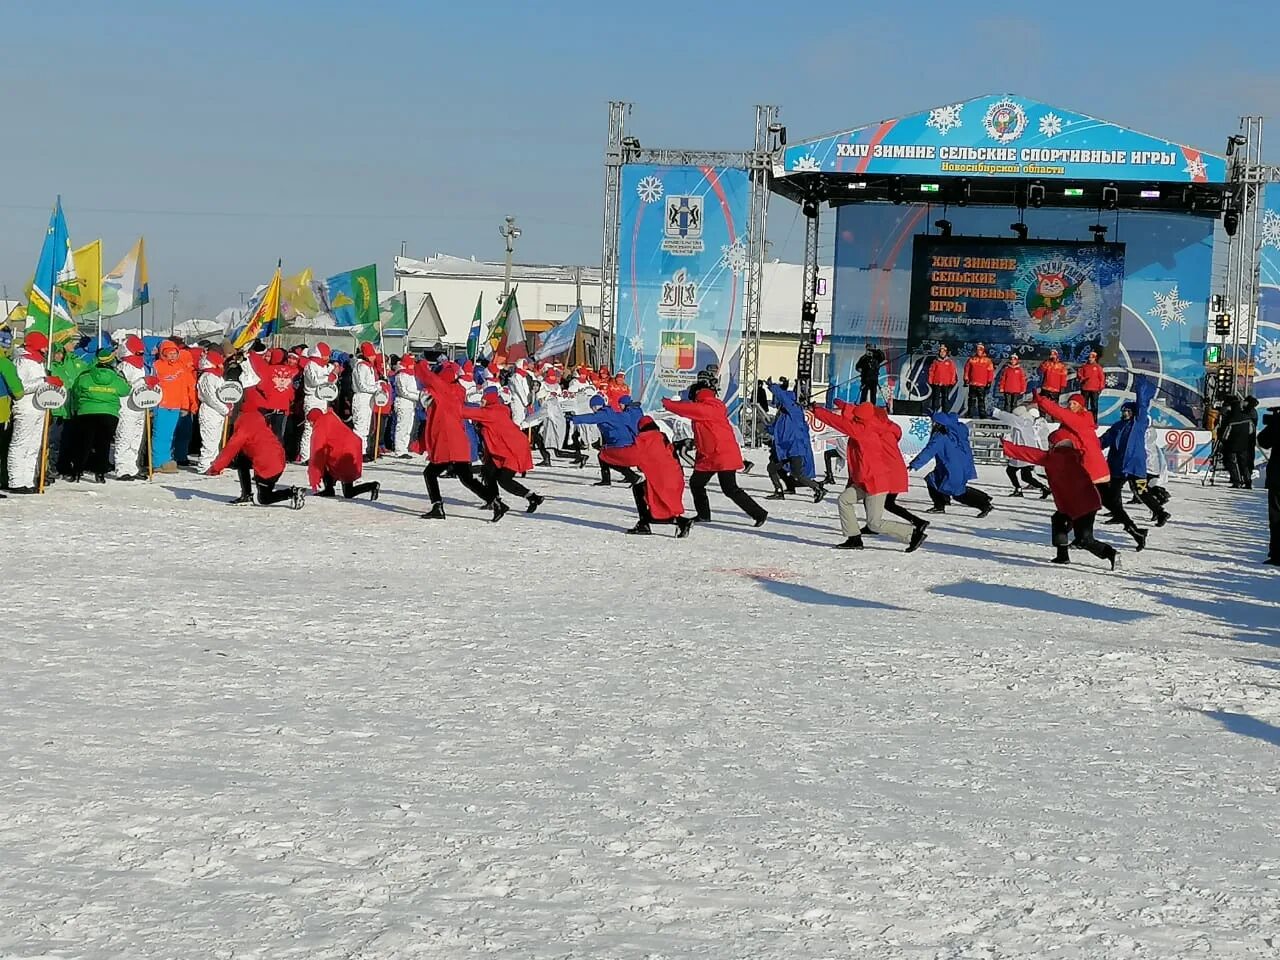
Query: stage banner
column 1163, row 310
column 1029, row 296
column 1006, row 136
column 1266, row 345
column 681, row 275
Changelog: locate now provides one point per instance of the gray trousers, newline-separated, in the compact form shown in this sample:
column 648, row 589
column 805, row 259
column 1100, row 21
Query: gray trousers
column 847, row 503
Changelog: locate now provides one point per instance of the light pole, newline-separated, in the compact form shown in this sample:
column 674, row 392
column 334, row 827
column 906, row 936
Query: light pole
column 511, row 233
column 173, row 308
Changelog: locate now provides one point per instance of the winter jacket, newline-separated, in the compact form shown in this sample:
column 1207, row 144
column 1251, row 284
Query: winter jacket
column 979, row 371
column 1053, row 376
column 207, row 390
column 273, row 393
column 717, row 447
column 1024, row 432
column 446, row 437
column 664, row 480
column 953, row 457
column 68, row 370
column 790, row 429
column 255, row 439
column 1084, row 433
column 335, row 450
column 504, row 442
column 1269, row 439
column 1074, row 492
column 1126, row 440
column 1013, row 379
column 868, row 367
column 1092, row 377
column 616, row 429
column 177, row 383
column 98, row 390
column 10, row 387
column 872, row 455
column 942, row 372
column 364, row 377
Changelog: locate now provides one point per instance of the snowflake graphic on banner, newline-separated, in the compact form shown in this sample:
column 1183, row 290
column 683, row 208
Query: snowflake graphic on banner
column 649, row 189
column 1271, row 229
column 637, row 344
column 921, row 428
column 807, row 164
column 1268, row 354
column 734, row 256
column 1113, row 380
column 1195, row 169
column 1050, row 125
column 945, row 119
column 1169, row 309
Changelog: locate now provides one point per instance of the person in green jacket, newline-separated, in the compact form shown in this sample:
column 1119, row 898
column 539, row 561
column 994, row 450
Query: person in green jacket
column 10, row 390
column 95, row 399
column 67, row 367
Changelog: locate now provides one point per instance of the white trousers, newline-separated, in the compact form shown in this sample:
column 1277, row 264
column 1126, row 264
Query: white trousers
column 211, row 425
column 309, row 403
column 362, row 416
column 129, row 430
column 24, row 447
column 847, row 503
column 404, row 410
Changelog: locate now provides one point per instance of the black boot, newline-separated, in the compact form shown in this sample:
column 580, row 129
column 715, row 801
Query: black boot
column 683, row 526
column 435, row 513
column 1064, row 556
column 244, row 500
column 918, row 536
column 641, row 529
column 853, row 543
column 1017, row 492
column 1139, row 537
column 535, row 502
column 820, row 494
column 776, row 495
column 500, row 510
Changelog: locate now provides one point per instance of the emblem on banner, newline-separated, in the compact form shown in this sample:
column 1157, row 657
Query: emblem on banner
column 1005, row 121
column 677, row 358
column 679, row 299
column 682, row 230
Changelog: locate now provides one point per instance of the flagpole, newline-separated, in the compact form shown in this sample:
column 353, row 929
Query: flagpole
column 99, row 294
column 48, row 358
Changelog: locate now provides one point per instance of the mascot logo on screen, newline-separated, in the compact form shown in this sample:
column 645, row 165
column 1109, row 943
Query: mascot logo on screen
column 1005, row 121
column 1049, row 299
column 1060, row 300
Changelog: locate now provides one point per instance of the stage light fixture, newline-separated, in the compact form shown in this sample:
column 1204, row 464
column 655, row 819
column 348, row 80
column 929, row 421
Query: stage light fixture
column 1111, row 197
column 1238, row 140
column 631, row 143
column 1231, row 222
column 1190, row 200
column 1215, row 303
column 895, row 190
column 1020, row 229
column 1035, row 195
column 1099, row 233
column 944, row 227
column 1222, row 324
column 962, row 192
column 809, row 208
column 780, row 132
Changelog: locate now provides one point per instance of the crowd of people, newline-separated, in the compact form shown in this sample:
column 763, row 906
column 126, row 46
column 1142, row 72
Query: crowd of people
column 123, row 414
column 980, row 375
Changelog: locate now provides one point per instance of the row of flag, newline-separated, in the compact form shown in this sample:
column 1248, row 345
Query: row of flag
column 69, row 285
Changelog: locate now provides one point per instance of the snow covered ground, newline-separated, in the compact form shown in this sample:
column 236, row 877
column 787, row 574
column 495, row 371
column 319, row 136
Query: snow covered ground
column 349, row 733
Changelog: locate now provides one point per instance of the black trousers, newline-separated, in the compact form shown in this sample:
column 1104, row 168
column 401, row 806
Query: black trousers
column 891, row 506
column 464, row 474
column 828, row 458
column 1011, row 400
column 1273, row 515
column 267, row 492
column 868, row 392
column 729, row 487
column 63, row 446
column 92, row 437
column 277, row 421
column 349, row 490
column 978, row 403
column 1054, row 395
column 493, row 478
column 538, row 443
column 972, row 497
column 1239, row 464
column 1028, row 477
column 1112, row 493
column 939, row 398
column 627, row 474
column 1082, row 528
column 794, row 473
column 1091, row 402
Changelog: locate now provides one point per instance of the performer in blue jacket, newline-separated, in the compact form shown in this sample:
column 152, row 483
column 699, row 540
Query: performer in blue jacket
column 617, row 429
column 792, row 461
column 953, row 467
column 1126, row 444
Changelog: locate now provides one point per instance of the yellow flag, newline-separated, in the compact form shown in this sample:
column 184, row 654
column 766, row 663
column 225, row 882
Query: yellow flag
column 262, row 316
column 83, row 293
column 297, row 296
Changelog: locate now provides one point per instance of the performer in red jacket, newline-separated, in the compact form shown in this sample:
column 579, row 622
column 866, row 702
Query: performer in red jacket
column 1092, row 380
column 1013, row 382
column 942, row 378
column 252, row 446
column 448, row 446
column 979, row 374
column 1053, row 377
column 718, row 453
column 660, row 495
column 1074, row 494
column 506, row 452
column 337, row 456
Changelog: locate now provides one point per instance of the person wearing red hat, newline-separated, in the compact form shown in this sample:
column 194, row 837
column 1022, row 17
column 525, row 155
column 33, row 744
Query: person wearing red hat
column 364, row 384
column 718, row 453
column 131, row 427
column 447, row 443
column 213, row 410
column 273, row 393
column 258, row 456
column 1092, row 379
column 660, row 495
column 318, row 373
column 405, row 406
column 28, row 422
column 506, row 452
column 336, row 457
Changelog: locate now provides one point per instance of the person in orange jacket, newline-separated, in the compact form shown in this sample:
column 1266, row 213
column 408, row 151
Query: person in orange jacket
column 979, row 374
column 1053, row 377
column 942, row 378
column 1013, row 383
column 178, row 399
column 1092, row 379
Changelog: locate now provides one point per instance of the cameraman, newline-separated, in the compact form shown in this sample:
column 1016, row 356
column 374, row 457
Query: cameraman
column 1269, row 439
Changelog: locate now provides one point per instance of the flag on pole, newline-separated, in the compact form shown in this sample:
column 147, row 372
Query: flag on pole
column 351, row 298
column 514, row 344
column 125, row 287
column 392, row 315
column 264, row 311
column 83, row 292
column 47, row 309
column 560, row 338
column 473, row 335
column 498, row 330
column 298, row 296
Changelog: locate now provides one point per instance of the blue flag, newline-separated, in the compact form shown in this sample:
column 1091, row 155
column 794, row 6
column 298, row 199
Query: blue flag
column 560, row 338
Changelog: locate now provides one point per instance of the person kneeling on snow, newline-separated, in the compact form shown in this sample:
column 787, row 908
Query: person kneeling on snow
column 660, row 495
column 337, row 456
column 254, row 447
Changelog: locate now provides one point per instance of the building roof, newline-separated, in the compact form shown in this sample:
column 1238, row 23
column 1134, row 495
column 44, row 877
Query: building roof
column 444, row 265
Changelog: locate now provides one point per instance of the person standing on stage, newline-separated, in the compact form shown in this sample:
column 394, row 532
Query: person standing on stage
column 1092, row 379
column 979, row 374
column 1053, row 377
column 1013, row 382
column 868, row 370
column 942, row 378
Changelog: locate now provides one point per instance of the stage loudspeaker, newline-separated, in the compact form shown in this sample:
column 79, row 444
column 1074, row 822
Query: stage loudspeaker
column 1035, row 195
column 1110, row 197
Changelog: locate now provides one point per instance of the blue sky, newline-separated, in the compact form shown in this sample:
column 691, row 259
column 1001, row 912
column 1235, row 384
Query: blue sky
column 325, row 133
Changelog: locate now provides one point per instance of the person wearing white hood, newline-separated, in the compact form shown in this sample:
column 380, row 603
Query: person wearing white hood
column 28, row 421
column 213, row 409
column 364, row 384
column 318, row 376
column 405, row 408
column 1026, row 429
column 131, row 426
